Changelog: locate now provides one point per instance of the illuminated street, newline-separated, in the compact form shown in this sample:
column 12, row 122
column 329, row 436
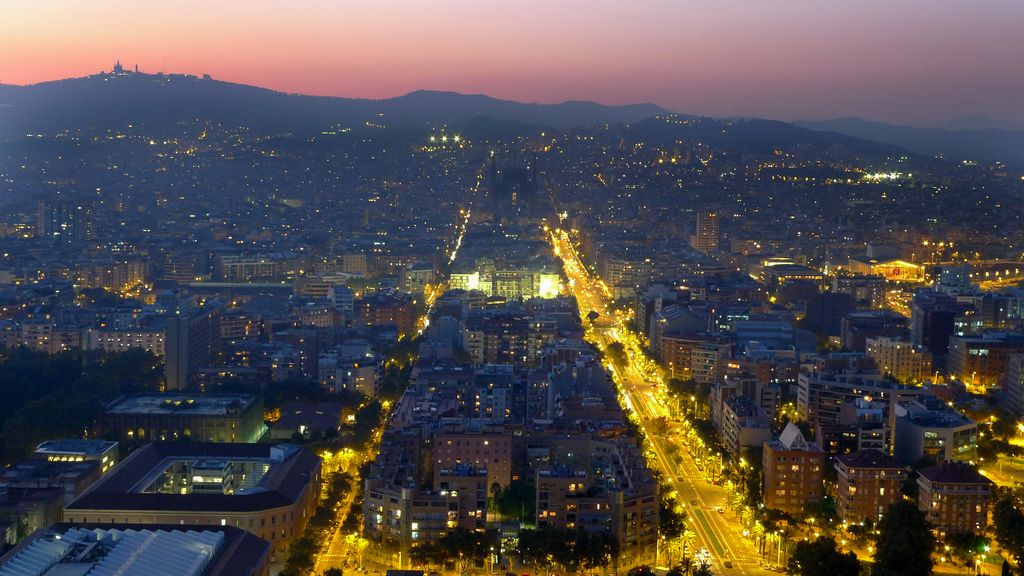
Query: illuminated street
column 718, row 532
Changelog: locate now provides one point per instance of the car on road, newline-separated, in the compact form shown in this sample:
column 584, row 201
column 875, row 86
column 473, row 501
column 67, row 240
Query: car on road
column 727, row 564
column 720, row 510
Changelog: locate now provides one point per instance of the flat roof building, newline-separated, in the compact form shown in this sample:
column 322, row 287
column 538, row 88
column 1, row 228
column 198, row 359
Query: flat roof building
column 928, row 427
column 79, row 450
column 269, row 490
column 70, row 550
column 193, row 416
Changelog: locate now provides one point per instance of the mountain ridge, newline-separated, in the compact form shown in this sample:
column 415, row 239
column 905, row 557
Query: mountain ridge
column 113, row 99
column 988, row 144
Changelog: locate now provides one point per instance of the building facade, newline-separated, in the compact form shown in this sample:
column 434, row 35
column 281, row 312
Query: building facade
column 793, row 472
column 868, row 482
column 954, row 497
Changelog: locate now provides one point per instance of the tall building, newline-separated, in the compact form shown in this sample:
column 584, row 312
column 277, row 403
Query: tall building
column 1015, row 385
column 899, row 358
column 793, row 471
column 934, row 318
column 744, row 424
column 191, row 337
column 868, row 292
column 65, row 222
column 983, row 361
column 707, row 236
column 836, row 379
column 857, row 327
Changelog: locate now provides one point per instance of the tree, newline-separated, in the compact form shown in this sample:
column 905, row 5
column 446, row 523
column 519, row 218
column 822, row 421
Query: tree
column 428, row 554
column 822, row 557
column 1008, row 521
column 905, row 542
column 333, row 572
column 965, row 545
column 570, row 549
column 671, row 519
column 703, row 568
column 595, row 550
column 617, row 352
column 534, row 548
column 677, row 570
column 640, row 571
column 518, row 500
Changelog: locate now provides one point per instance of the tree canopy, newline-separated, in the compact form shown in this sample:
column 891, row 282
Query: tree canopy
column 905, row 542
column 51, row 396
column 821, row 556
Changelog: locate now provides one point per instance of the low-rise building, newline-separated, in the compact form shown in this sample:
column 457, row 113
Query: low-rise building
column 29, row 509
column 868, row 482
column 105, row 549
column 105, row 452
column 269, row 490
column 793, row 472
column 71, row 477
column 199, row 417
column 954, row 497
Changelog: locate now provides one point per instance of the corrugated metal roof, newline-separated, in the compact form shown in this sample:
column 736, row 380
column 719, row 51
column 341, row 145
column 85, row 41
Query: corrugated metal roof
column 110, row 552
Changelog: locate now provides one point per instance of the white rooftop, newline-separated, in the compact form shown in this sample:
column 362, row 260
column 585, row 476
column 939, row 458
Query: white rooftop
column 110, row 552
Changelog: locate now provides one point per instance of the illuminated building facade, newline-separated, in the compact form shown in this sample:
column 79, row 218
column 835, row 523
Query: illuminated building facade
column 899, row 358
column 954, row 498
column 793, row 471
column 868, row 482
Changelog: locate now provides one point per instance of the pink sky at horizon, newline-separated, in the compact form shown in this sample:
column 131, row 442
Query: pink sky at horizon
column 914, row 61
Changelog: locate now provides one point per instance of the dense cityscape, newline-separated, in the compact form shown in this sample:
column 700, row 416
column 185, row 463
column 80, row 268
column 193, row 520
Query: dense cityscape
column 247, row 332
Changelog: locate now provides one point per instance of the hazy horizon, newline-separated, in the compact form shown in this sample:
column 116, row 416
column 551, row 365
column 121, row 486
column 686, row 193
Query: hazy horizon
column 792, row 60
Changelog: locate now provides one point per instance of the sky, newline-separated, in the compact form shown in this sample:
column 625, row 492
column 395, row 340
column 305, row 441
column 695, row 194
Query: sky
column 917, row 62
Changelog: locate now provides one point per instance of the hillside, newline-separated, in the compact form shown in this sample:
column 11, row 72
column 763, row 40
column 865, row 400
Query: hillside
column 161, row 101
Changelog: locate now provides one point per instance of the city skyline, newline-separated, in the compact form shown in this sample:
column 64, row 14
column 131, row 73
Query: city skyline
column 657, row 288
column 787, row 62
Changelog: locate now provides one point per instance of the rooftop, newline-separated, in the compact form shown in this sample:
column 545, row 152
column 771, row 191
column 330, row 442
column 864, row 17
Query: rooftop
column 952, row 472
column 66, row 550
column 197, row 404
column 931, row 412
column 869, row 459
column 75, row 446
column 288, row 475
